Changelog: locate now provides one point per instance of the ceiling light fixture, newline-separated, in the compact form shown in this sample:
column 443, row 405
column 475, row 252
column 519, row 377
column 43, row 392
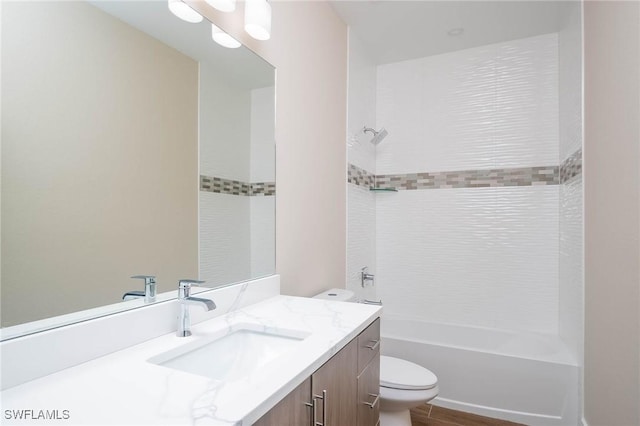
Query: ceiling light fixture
column 222, row 38
column 223, row 5
column 257, row 19
column 184, row 11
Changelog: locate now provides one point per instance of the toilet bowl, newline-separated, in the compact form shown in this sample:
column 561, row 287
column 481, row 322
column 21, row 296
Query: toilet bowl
column 403, row 384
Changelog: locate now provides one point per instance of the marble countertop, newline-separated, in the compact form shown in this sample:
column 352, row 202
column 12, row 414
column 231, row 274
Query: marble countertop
column 124, row 388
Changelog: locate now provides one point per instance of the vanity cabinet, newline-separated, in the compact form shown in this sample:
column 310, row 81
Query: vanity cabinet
column 344, row 391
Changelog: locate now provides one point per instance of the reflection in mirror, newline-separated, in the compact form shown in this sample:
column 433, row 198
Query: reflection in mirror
column 132, row 144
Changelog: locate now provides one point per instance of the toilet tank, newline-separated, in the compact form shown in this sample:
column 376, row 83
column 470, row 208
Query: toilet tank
column 338, row 294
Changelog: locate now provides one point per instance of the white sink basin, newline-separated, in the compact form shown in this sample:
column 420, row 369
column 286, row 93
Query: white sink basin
column 232, row 354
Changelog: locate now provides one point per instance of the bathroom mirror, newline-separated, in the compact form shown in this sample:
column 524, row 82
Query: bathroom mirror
column 132, row 144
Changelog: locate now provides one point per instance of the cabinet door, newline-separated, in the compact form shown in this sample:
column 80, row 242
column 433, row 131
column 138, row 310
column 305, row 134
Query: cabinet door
column 368, row 344
column 335, row 387
column 369, row 393
column 293, row 410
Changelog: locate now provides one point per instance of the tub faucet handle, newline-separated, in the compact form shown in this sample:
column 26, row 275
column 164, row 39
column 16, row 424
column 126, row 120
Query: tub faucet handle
column 366, row 276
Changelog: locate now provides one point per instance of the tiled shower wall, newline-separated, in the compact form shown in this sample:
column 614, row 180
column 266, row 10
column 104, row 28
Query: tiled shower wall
column 483, row 254
column 361, row 205
column 485, row 149
column 571, row 297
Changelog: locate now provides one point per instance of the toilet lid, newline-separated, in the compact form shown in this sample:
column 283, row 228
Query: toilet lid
column 400, row 374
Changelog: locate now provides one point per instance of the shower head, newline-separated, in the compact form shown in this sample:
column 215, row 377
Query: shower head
column 377, row 136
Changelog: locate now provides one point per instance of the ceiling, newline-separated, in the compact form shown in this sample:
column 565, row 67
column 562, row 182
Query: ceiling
column 393, row 31
column 239, row 66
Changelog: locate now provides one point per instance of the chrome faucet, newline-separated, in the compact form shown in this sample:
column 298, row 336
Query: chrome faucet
column 149, row 292
column 365, row 276
column 185, row 299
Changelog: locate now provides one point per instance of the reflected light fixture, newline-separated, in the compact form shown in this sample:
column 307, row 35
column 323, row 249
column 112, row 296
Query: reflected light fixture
column 222, row 38
column 223, row 5
column 184, row 11
column 257, row 19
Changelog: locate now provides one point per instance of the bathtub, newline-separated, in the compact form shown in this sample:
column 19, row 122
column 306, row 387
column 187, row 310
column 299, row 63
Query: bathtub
column 524, row 378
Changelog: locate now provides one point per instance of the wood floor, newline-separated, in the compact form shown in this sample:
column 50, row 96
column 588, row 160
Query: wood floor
column 430, row 415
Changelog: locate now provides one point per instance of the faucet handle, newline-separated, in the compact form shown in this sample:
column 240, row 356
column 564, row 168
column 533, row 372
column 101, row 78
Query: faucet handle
column 189, row 283
column 184, row 287
column 146, row 278
column 149, row 287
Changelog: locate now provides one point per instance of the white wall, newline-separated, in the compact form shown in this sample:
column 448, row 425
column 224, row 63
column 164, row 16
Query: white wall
column 472, row 256
column 612, row 211
column 361, row 106
column 225, row 238
column 225, row 127
column 262, row 127
column 262, row 169
column 361, row 211
column 571, row 297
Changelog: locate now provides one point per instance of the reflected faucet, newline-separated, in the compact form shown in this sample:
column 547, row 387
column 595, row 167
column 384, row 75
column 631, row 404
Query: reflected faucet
column 149, row 292
column 185, row 299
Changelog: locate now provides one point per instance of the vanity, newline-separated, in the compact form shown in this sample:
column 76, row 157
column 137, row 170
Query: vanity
column 275, row 361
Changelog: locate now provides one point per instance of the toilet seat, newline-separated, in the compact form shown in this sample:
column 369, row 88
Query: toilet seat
column 398, row 373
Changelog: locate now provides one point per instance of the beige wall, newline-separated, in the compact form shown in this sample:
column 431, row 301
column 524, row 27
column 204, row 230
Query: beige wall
column 612, row 197
column 93, row 190
column 308, row 47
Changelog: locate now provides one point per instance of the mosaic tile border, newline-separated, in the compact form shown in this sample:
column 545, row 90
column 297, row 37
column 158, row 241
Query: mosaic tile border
column 360, row 177
column 571, row 167
column 517, row 176
column 521, row 176
column 235, row 187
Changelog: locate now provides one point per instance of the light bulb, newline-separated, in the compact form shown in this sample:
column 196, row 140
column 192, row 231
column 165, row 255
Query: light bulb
column 184, row 11
column 257, row 19
column 223, row 39
column 223, row 5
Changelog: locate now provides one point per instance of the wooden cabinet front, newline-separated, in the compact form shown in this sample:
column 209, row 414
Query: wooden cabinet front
column 294, row 410
column 343, row 392
column 334, row 387
column 369, row 393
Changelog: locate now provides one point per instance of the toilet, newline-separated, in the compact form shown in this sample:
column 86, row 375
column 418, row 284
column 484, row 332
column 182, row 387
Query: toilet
column 403, row 384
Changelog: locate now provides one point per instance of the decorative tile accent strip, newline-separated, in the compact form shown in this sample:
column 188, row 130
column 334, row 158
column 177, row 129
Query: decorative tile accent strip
column 235, row 187
column 571, row 166
column 360, row 177
column 522, row 176
column 263, row 188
